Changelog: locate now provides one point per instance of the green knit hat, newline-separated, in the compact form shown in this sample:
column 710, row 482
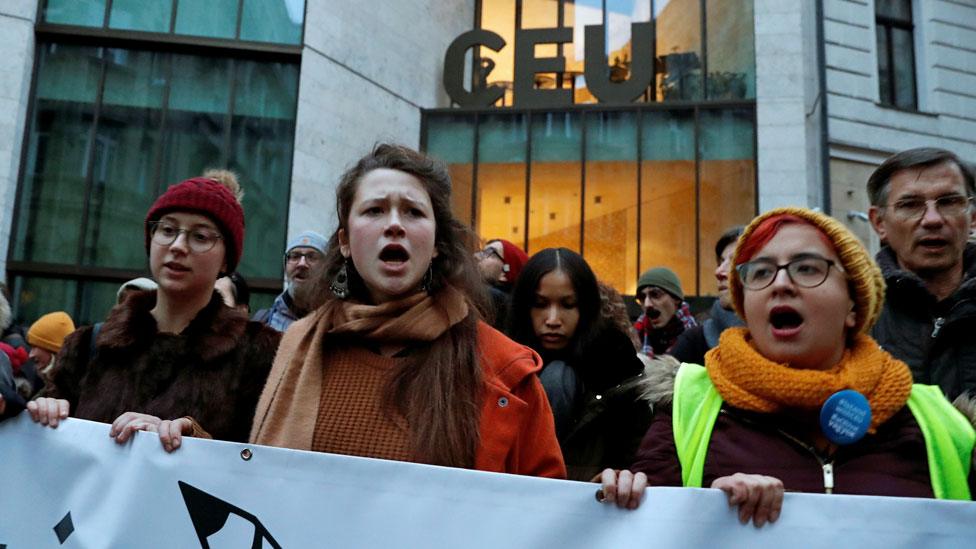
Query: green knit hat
column 663, row 278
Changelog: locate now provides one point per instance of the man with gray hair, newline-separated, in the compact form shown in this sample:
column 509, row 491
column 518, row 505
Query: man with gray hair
column 922, row 209
column 303, row 259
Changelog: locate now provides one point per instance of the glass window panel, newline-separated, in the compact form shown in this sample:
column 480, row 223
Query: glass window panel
column 554, row 191
column 540, row 14
column 498, row 16
column 278, row 21
column 53, row 188
column 134, row 78
column 126, row 149
column 214, row 18
column 85, row 13
column 262, row 300
column 728, row 181
column 202, row 84
column 69, row 73
column 501, row 177
column 667, row 200
column 34, row 297
column 262, row 150
column 450, row 139
column 896, row 9
column 610, row 224
column 904, row 61
column 141, row 15
column 884, row 68
column 578, row 15
column 97, row 299
column 731, row 49
column 678, row 28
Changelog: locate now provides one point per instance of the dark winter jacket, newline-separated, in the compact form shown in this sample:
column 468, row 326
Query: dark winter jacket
column 213, row 371
column 936, row 339
column 891, row 462
column 694, row 342
column 599, row 419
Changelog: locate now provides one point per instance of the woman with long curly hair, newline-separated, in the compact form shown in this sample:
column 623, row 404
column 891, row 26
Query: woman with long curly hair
column 394, row 362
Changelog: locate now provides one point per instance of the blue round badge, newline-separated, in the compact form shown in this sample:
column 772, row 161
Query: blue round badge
column 845, row 417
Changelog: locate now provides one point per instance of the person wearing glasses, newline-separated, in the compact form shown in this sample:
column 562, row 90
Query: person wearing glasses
column 303, row 262
column 176, row 361
column 922, row 209
column 801, row 399
column 500, row 263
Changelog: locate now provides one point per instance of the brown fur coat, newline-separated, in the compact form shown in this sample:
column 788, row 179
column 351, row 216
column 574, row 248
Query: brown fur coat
column 213, row 371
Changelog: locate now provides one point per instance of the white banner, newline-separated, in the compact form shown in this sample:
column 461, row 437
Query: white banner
column 75, row 487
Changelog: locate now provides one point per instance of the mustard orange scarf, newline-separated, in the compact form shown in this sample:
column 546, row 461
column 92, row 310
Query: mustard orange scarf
column 288, row 406
column 746, row 379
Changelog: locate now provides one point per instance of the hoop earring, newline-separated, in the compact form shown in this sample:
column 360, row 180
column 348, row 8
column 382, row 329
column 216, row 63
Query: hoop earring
column 340, row 284
column 428, row 279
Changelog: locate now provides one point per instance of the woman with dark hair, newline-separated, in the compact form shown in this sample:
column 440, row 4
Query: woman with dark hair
column 176, row 360
column 591, row 367
column 801, row 398
column 394, row 362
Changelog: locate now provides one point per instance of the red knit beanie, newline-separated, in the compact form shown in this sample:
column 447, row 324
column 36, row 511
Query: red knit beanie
column 515, row 258
column 205, row 196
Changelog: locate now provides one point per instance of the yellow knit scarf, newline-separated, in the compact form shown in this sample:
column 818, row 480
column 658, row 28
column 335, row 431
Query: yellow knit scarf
column 748, row 380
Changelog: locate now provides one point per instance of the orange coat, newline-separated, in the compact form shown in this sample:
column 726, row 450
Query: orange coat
column 517, row 430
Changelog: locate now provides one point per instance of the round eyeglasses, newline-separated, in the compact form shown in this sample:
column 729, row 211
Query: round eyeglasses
column 198, row 239
column 805, row 272
column 311, row 257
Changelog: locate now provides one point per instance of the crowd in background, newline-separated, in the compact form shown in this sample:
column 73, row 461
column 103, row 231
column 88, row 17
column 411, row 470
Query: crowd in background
column 395, row 338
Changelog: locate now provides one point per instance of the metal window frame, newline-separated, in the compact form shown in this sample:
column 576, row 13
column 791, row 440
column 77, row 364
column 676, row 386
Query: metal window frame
column 888, row 24
column 168, row 43
column 584, row 110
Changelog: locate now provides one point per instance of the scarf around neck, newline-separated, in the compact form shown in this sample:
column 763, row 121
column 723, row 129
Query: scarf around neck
column 748, row 380
column 288, row 407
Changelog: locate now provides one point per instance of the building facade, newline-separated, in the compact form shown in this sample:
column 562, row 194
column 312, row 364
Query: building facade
column 632, row 131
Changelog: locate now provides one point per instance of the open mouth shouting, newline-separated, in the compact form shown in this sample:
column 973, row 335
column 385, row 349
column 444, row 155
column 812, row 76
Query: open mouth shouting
column 932, row 243
column 785, row 322
column 394, row 258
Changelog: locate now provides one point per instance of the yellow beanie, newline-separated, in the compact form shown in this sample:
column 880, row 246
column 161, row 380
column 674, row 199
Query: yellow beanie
column 865, row 277
column 49, row 331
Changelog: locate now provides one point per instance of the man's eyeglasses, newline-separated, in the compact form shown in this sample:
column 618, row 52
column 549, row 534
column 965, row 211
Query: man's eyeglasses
column 198, row 239
column 310, row 257
column 951, row 205
column 489, row 251
column 806, row 272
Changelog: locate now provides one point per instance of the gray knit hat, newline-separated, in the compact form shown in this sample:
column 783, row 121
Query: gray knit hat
column 663, row 278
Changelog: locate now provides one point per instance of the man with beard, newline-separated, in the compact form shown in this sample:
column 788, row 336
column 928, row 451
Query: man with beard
column 695, row 342
column 922, row 209
column 303, row 259
column 666, row 315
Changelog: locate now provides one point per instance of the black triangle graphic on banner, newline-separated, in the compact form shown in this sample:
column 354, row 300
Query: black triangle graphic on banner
column 210, row 513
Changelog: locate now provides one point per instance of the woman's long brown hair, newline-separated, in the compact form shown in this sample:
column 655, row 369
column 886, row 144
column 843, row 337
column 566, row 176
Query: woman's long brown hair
column 439, row 389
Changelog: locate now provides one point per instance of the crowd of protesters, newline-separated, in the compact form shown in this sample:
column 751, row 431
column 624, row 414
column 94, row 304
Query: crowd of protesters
column 394, row 339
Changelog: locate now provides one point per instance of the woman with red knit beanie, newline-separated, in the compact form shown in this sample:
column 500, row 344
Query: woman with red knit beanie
column 175, row 361
column 801, row 399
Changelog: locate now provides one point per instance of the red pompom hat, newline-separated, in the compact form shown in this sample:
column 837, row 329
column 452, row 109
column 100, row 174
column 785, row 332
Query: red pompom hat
column 515, row 258
column 205, row 196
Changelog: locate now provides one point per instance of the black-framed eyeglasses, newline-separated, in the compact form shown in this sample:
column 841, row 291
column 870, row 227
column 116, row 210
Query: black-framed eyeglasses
column 950, row 205
column 806, row 272
column 310, row 256
column 488, row 251
column 198, row 239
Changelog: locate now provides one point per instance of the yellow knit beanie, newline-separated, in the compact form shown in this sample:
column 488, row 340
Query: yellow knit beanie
column 866, row 281
column 50, row 330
